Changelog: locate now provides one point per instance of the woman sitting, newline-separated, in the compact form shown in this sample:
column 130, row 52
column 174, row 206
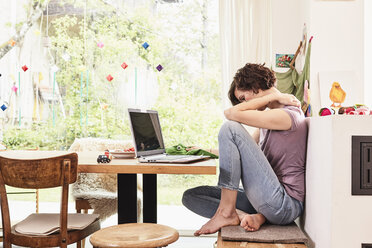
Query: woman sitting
column 270, row 164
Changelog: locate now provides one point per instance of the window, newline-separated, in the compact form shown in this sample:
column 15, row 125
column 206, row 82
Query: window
column 81, row 64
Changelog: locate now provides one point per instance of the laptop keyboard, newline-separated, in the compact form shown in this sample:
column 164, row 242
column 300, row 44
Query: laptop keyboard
column 171, row 157
column 174, row 157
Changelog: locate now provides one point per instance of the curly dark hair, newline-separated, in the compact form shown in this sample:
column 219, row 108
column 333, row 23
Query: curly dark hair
column 253, row 77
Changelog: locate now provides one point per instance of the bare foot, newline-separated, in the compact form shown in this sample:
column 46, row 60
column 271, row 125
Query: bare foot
column 220, row 219
column 252, row 222
column 241, row 214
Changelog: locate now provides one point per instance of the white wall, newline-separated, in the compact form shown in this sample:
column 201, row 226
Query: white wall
column 333, row 217
column 317, row 217
column 343, row 202
column 338, row 30
column 288, row 19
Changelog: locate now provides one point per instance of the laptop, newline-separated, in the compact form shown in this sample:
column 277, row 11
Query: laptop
column 148, row 139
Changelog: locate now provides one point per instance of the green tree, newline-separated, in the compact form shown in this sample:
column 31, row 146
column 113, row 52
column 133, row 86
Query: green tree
column 189, row 98
column 189, row 87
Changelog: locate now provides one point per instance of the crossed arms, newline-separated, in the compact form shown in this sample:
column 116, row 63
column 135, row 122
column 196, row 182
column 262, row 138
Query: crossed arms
column 251, row 112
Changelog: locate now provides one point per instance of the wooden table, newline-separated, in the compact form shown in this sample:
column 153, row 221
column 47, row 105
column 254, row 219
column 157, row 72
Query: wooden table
column 127, row 170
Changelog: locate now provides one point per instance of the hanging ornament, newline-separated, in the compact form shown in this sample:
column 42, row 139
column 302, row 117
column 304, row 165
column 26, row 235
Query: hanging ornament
column 66, row 56
column 124, row 65
column 159, row 67
column 14, row 88
column 145, row 45
column 24, row 68
column 3, row 107
column 100, row 44
column 109, row 78
column 12, row 42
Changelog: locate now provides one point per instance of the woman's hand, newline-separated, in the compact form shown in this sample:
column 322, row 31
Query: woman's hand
column 285, row 99
column 227, row 113
column 189, row 148
column 210, row 150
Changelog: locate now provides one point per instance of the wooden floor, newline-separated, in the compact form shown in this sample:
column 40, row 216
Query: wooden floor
column 237, row 244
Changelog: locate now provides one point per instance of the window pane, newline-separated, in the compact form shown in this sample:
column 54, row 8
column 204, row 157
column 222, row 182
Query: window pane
column 81, row 64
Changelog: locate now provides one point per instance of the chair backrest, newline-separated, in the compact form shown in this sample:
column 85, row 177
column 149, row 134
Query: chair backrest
column 38, row 173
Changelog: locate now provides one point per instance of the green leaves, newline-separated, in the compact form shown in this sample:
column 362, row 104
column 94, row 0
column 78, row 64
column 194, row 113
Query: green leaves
column 189, row 96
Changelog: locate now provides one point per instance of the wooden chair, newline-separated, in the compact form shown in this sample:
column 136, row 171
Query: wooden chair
column 132, row 235
column 37, row 174
column 82, row 204
column 36, row 192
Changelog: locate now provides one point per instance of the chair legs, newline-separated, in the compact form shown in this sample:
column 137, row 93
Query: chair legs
column 82, row 204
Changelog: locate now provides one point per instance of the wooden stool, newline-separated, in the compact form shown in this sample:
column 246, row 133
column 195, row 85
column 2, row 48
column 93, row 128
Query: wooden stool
column 134, row 235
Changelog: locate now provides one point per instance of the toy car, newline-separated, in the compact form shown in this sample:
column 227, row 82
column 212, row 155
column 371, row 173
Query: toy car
column 103, row 159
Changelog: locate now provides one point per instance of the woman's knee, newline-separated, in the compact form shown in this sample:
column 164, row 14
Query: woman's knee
column 187, row 197
column 282, row 216
column 229, row 127
column 191, row 196
column 231, row 130
column 280, row 219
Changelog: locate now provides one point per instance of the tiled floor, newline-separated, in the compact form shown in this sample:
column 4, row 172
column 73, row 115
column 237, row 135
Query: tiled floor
column 175, row 216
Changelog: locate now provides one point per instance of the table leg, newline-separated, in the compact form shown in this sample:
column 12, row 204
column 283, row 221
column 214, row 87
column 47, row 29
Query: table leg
column 149, row 198
column 127, row 198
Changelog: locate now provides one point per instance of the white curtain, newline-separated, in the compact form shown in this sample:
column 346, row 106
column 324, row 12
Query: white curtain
column 245, row 36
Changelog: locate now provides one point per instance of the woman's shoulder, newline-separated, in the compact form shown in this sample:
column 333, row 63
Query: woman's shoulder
column 293, row 108
column 296, row 115
column 294, row 111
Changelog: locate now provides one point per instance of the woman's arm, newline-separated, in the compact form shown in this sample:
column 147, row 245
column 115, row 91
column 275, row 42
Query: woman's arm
column 276, row 119
column 214, row 151
column 211, row 150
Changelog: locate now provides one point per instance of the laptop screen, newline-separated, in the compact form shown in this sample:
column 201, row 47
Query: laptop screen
column 146, row 132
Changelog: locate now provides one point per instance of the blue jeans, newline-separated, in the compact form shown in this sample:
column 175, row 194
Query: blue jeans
column 242, row 159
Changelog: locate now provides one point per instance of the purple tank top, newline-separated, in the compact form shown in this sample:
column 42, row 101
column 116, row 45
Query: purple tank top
column 286, row 152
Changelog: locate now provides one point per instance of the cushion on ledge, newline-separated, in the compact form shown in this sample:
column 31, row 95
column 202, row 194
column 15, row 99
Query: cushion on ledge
column 287, row 234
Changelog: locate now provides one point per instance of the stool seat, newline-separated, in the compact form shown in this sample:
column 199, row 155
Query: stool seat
column 134, row 235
